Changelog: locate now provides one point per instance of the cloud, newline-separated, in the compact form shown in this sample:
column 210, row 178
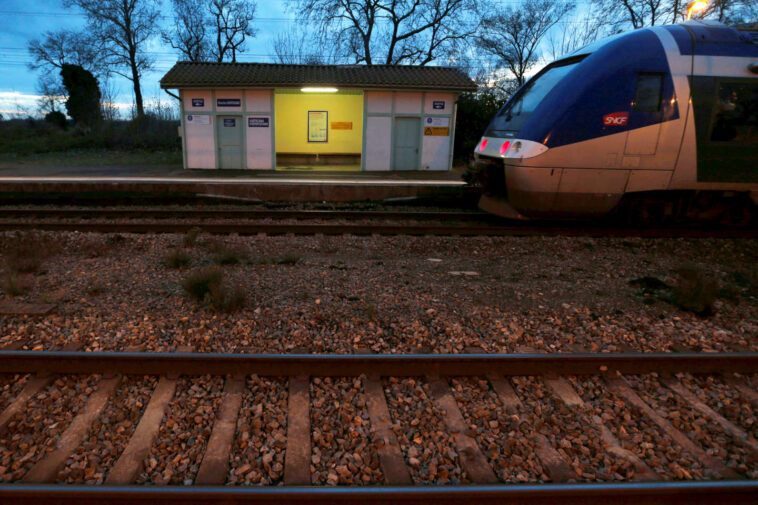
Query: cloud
column 26, row 104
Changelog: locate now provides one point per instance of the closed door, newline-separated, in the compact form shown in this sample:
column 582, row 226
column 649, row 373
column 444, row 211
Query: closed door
column 229, row 130
column 407, row 135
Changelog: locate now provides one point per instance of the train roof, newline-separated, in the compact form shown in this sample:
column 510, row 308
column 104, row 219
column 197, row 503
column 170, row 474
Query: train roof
column 710, row 38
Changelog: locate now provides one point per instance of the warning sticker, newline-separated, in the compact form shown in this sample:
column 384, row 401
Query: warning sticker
column 436, row 131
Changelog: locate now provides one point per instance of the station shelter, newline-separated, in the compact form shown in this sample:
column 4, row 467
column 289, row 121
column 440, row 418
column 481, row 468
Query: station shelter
column 264, row 116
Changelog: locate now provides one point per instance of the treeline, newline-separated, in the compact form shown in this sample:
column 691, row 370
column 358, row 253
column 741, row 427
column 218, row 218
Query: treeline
column 497, row 42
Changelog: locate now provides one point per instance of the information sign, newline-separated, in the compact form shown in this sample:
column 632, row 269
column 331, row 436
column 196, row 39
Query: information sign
column 317, row 126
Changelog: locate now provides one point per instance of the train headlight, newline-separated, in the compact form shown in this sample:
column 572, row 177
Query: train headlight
column 504, row 148
column 516, row 147
column 482, row 145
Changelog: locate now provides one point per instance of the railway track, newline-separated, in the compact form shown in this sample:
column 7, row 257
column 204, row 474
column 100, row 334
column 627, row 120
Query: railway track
column 311, row 222
column 511, row 379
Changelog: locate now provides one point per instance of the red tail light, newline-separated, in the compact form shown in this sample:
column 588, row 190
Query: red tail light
column 504, row 148
column 482, row 145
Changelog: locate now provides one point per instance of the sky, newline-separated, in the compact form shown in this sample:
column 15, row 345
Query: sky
column 25, row 20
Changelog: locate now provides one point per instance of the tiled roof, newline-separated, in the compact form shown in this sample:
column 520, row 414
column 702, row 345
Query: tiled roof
column 194, row 75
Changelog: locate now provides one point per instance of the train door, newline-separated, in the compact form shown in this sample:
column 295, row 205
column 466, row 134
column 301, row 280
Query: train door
column 229, row 134
column 646, row 109
column 406, row 143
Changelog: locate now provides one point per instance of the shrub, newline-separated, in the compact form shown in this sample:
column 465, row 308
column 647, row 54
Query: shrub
column 190, row 238
column 26, row 252
column 207, row 285
column 12, row 285
column 289, row 259
column 199, row 283
column 56, row 118
column 228, row 256
column 177, row 258
column 694, row 290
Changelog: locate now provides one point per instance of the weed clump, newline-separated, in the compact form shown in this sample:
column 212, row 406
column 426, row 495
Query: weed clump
column 225, row 255
column 25, row 252
column 289, row 259
column 695, row 290
column 177, row 258
column 12, row 285
column 190, row 238
column 208, row 286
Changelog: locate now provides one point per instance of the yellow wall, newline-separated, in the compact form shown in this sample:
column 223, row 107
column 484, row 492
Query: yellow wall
column 292, row 122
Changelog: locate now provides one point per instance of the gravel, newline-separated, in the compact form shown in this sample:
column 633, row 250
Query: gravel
column 178, row 451
column 571, row 433
column 110, row 433
column 342, row 450
column 344, row 293
column 725, row 400
column 418, row 423
column 700, row 429
column 505, row 439
column 637, row 433
column 34, row 432
column 261, row 436
column 10, row 386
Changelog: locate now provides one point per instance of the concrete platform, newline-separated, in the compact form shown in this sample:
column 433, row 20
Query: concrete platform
column 271, row 186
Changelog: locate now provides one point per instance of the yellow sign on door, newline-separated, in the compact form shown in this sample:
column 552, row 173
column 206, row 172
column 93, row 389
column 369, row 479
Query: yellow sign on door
column 436, row 131
column 342, row 125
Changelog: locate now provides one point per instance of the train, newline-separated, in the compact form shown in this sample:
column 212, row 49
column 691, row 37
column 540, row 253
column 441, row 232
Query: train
column 659, row 124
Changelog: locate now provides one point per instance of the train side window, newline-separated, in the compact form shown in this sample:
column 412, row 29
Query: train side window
column 647, row 98
column 736, row 114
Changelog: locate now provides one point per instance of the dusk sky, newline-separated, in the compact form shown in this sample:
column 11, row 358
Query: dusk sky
column 23, row 20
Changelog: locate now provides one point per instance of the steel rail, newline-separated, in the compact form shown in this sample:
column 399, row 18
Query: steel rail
column 246, row 228
column 659, row 493
column 244, row 214
column 400, row 365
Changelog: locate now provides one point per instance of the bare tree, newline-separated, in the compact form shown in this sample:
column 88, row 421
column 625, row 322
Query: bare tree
column 65, row 46
column 570, row 35
column 123, row 27
column 52, row 94
column 301, row 47
column 232, row 23
column 188, row 35
column 391, row 32
column 514, row 34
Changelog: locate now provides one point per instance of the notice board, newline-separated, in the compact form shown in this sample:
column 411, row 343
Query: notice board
column 318, row 122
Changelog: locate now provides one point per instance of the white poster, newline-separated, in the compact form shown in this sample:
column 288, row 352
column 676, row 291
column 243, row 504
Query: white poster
column 198, row 119
column 442, row 122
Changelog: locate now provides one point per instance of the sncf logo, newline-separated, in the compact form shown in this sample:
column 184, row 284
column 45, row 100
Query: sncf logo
column 616, row 119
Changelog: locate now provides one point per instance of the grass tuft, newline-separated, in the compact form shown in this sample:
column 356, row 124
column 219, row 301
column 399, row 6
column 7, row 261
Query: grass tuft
column 208, row 285
column 695, row 290
column 177, row 258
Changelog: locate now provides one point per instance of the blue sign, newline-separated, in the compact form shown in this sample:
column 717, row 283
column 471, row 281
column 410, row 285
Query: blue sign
column 429, row 120
column 230, row 122
column 228, row 102
column 198, row 102
column 257, row 122
column 438, row 104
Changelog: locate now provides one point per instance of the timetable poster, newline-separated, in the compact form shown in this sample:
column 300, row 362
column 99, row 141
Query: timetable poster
column 317, row 125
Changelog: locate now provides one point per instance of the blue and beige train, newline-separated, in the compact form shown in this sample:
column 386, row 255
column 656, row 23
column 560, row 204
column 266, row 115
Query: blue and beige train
column 662, row 122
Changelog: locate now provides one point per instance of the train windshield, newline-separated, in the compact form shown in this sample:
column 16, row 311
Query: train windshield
column 514, row 113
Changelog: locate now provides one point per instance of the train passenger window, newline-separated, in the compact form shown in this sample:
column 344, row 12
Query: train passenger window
column 647, row 98
column 736, row 114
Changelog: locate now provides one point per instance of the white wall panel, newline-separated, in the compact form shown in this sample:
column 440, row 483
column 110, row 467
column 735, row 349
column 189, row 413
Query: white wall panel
column 379, row 102
column 407, row 103
column 201, row 146
column 228, row 93
column 378, row 151
column 204, row 95
column 435, row 153
column 448, row 104
column 258, row 140
column 257, row 100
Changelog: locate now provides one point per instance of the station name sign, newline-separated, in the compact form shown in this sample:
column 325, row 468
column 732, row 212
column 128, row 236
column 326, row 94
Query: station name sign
column 228, row 102
column 438, row 104
column 258, row 122
column 198, row 102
